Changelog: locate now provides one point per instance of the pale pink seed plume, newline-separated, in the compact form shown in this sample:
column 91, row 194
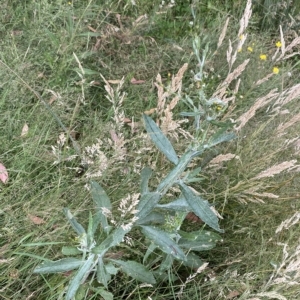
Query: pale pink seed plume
column 3, row 174
column 245, row 18
column 287, row 96
column 286, row 224
column 259, row 103
column 223, row 33
column 222, row 158
column 284, row 126
column 221, row 89
column 277, row 169
column 266, row 78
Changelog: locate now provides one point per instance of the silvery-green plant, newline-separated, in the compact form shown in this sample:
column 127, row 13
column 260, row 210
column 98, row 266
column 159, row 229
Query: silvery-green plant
column 91, row 258
column 159, row 222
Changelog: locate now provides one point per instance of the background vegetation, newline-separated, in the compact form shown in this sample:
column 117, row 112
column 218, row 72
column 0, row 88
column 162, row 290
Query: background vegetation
column 58, row 49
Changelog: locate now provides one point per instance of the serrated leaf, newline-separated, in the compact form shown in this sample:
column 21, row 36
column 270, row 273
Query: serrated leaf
column 163, row 241
column 200, row 207
column 101, row 200
column 179, row 204
column 145, row 176
column 147, row 203
column 136, row 271
column 62, row 265
column 160, row 140
column 201, row 240
column 67, row 250
column 80, row 275
column 102, row 275
column 75, row 225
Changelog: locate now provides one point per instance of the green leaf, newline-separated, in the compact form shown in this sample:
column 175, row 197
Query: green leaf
column 160, row 140
column 106, row 295
column 136, row 271
column 102, row 292
column 152, row 218
column 76, row 226
column 147, row 203
column 220, row 137
column 165, row 276
column 102, row 275
column 163, row 241
column 175, row 174
column 67, row 250
column 145, row 175
column 81, row 292
column 114, row 239
column 166, row 263
column 198, row 240
column 82, row 273
column 193, row 261
column 179, row 204
column 200, row 207
column 111, row 269
column 86, row 71
column 62, row 265
column 90, row 34
column 101, row 200
column 150, row 249
column 90, row 232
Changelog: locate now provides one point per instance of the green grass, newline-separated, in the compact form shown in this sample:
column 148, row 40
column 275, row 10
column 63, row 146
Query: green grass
column 37, row 41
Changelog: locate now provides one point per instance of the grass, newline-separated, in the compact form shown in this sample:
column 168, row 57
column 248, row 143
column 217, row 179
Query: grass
column 38, row 40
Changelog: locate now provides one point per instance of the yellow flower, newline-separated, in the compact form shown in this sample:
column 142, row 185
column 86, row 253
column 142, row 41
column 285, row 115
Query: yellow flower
column 239, row 50
column 242, row 37
column 250, row 49
column 275, row 70
column 263, row 57
column 278, row 44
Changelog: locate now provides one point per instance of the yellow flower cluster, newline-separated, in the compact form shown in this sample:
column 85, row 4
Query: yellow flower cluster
column 263, row 57
column 275, row 70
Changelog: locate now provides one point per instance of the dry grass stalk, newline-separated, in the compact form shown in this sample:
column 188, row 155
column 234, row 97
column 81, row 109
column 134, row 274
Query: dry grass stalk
column 221, row 89
column 191, row 277
column 229, row 52
column 176, row 83
column 288, row 272
column 259, row 103
column 289, row 222
column 164, row 111
column 287, row 96
column 266, row 78
column 270, row 172
column 284, row 126
column 222, row 158
column 223, row 33
column 253, row 195
column 270, row 295
column 284, row 49
column 245, row 18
